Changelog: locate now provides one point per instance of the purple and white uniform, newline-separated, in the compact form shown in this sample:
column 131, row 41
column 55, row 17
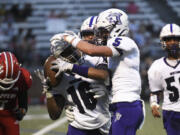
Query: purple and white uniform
column 126, row 86
column 91, row 115
column 164, row 75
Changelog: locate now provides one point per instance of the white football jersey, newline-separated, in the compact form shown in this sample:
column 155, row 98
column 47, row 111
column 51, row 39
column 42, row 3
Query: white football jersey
column 163, row 76
column 89, row 113
column 124, row 65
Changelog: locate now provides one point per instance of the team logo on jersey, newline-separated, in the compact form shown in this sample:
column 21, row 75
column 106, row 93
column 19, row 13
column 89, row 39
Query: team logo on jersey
column 114, row 18
column 118, row 116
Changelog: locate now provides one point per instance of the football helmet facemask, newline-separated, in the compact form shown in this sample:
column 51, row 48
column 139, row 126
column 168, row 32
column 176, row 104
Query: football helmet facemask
column 9, row 70
column 87, row 29
column 170, row 40
column 62, row 49
column 111, row 23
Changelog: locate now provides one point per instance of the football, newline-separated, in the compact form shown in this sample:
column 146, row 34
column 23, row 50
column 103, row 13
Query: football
column 50, row 73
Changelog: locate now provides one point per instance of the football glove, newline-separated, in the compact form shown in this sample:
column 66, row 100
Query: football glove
column 59, row 37
column 69, row 113
column 56, row 37
column 19, row 113
column 45, row 81
column 71, row 38
column 70, row 33
column 98, row 89
column 60, row 66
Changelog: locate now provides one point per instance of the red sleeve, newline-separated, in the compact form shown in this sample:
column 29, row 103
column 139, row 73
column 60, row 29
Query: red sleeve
column 25, row 79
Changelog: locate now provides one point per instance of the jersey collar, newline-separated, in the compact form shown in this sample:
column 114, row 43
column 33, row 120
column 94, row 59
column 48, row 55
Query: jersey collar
column 165, row 60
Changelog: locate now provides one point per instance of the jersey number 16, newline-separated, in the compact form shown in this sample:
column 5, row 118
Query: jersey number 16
column 87, row 97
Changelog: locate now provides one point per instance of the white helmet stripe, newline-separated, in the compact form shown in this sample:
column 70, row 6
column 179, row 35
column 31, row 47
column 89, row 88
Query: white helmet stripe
column 6, row 62
column 12, row 65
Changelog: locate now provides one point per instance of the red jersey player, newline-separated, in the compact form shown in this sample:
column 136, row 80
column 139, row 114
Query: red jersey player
column 14, row 83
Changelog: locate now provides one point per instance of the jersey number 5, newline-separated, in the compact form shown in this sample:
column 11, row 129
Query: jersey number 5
column 117, row 42
column 174, row 96
column 87, row 97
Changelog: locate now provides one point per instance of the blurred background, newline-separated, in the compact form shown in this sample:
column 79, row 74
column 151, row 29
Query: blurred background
column 27, row 25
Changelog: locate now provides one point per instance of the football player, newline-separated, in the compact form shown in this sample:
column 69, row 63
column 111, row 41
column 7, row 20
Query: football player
column 164, row 76
column 87, row 98
column 14, row 84
column 87, row 34
column 123, row 61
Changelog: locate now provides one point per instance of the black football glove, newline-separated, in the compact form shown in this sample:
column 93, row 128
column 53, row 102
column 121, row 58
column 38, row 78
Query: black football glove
column 19, row 113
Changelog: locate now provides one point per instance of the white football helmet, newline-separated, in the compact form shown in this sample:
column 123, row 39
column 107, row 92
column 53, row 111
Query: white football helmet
column 62, row 49
column 88, row 24
column 87, row 29
column 9, row 70
column 171, row 32
column 112, row 21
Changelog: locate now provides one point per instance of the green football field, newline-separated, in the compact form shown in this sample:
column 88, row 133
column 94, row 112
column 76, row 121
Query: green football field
column 37, row 123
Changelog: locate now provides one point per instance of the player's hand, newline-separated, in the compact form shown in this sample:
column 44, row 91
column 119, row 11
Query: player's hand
column 56, row 37
column 45, row 81
column 70, row 33
column 67, row 32
column 57, row 42
column 69, row 113
column 59, row 37
column 98, row 89
column 19, row 113
column 60, row 66
column 71, row 37
column 155, row 111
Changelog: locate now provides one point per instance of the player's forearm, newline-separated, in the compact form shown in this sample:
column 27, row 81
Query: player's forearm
column 88, row 48
column 23, row 100
column 94, row 50
column 155, row 98
column 53, row 109
column 154, row 104
column 90, row 72
column 98, row 74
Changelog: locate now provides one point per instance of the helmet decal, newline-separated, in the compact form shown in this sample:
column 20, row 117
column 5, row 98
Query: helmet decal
column 114, row 18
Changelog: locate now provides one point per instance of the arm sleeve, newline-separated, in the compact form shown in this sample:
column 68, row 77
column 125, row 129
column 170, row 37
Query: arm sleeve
column 23, row 99
column 24, row 84
column 154, row 79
